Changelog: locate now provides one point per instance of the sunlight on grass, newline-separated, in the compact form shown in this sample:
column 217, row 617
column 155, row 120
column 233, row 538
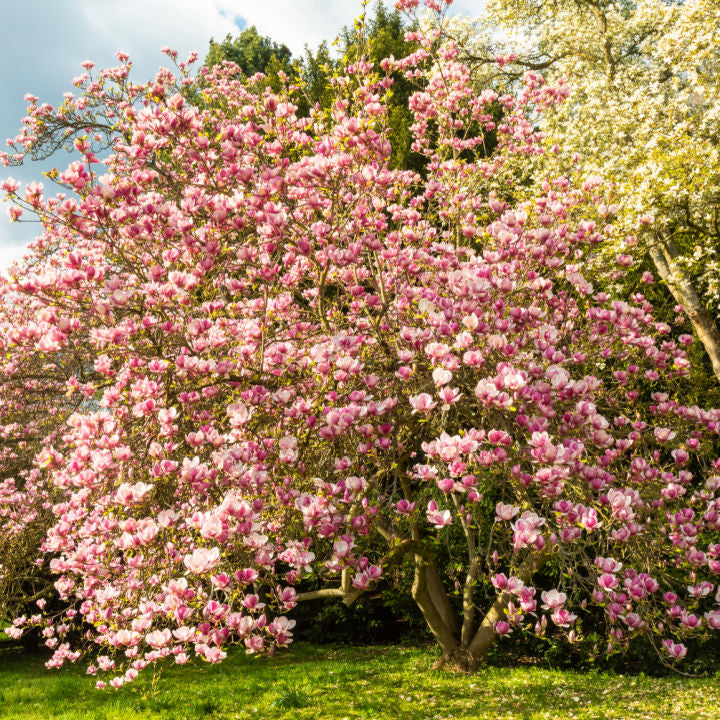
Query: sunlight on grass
column 374, row 683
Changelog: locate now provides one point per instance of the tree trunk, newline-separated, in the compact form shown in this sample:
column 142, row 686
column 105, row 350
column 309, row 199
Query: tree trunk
column 433, row 602
column 663, row 255
column 485, row 635
column 432, row 599
column 440, row 599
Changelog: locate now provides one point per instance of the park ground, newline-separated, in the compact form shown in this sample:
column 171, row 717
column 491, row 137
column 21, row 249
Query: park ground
column 332, row 683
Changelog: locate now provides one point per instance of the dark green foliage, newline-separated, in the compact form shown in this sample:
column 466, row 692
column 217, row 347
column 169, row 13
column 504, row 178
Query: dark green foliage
column 375, row 38
column 388, row 615
column 252, row 52
column 589, row 653
column 316, row 69
column 380, row 37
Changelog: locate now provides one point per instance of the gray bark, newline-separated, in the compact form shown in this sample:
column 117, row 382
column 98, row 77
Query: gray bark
column 431, row 598
column 663, row 254
column 485, row 635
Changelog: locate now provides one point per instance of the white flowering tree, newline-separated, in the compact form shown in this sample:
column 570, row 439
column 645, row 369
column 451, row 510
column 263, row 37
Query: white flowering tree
column 643, row 113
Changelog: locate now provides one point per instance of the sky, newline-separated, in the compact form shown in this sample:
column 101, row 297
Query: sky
column 41, row 52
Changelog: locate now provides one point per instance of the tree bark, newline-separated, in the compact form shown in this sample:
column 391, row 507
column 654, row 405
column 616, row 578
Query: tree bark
column 468, row 601
column 432, row 601
column 663, row 255
column 485, row 635
column 439, row 596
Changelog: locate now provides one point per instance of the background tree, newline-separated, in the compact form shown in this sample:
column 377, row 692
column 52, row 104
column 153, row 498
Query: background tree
column 642, row 113
column 252, row 53
column 372, row 38
column 383, row 36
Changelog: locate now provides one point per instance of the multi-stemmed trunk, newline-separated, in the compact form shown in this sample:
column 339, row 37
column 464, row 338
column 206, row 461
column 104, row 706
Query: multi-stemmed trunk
column 463, row 645
column 463, row 641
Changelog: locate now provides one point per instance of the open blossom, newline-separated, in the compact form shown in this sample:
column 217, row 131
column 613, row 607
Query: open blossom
column 664, row 434
column 499, row 580
column 511, row 378
column 526, row 530
column 14, row 213
column 129, row 494
column 202, row 560
column 608, row 565
column 238, row 413
column 158, row 638
column 608, row 581
column 632, row 620
column 441, row 376
column 553, row 599
column 422, row 403
column 404, row 507
column 562, row 617
column 288, row 449
column 213, row 654
column 675, row 650
column 183, row 633
column 701, row 590
column 435, row 351
column 212, row 527
column 436, row 517
column 127, row 637
column 281, row 628
column 590, row 520
column 506, row 512
column 342, row 548
column 449, row 396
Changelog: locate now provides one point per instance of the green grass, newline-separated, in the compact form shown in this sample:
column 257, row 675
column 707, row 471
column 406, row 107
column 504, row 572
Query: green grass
column 324, row 683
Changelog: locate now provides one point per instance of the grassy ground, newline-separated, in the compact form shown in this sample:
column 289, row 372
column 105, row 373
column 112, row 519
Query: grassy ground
column 322, row 683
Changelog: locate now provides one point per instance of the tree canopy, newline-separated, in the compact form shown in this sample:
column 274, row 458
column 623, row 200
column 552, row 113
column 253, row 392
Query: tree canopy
column 274, row 357
column 251, row 52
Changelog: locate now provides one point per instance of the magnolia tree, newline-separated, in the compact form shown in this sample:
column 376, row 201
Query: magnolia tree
column 33, row 412
column 291, row 356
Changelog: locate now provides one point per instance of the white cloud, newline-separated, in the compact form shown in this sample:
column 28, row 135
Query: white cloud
column 295, row 22
column 44, row 55
column 10, row 253
column 142, row 27
column 300, row 22
column 12, row 242
column 15, row 236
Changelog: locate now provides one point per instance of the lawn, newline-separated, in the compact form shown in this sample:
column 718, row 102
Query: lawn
column 330, row 683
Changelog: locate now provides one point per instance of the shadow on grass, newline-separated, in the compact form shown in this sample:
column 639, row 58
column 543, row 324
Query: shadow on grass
column 312, row 682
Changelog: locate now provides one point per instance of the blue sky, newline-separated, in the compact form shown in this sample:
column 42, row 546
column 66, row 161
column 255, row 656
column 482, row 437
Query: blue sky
column 44, row 44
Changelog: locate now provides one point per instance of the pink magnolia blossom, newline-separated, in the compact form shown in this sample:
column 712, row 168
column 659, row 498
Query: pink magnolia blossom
column 553, row 599
column 675, row 650
column 202, row 560
column 262, row 348
column 506, row 512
